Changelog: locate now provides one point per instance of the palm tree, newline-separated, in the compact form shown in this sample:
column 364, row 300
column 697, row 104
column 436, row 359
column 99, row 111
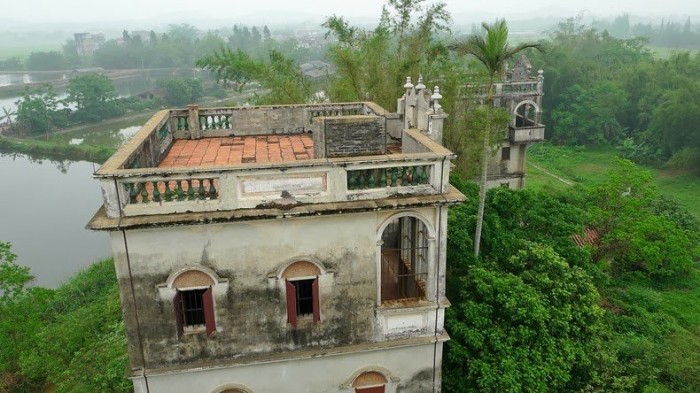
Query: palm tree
column 493, row 52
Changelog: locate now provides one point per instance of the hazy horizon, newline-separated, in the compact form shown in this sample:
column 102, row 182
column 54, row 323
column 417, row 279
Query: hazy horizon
column 213, row 13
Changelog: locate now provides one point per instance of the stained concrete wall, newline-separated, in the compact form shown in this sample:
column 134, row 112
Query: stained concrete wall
column 250, row 307
column 410, row 370
column 346, row 136
column 516, row 163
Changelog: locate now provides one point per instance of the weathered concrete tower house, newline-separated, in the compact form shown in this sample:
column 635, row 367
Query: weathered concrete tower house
column 521, row 94
column 294, row 248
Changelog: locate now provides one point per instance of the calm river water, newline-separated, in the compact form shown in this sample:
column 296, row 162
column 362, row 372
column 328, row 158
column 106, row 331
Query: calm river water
column 44, row 208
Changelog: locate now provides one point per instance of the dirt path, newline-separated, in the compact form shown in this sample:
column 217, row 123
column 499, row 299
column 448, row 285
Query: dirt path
column 548, row 173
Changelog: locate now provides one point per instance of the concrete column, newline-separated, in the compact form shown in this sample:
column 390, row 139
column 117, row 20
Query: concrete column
column 193, row 120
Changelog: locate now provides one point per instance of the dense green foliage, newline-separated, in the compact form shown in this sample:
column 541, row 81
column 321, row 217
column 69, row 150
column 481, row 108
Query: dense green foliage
column 280, row 77
column 537, row 313
column 181, row 91
column 602, row 90
column 71, row 337
column 38, row 111
column 46, row 61
column 94, row 96
column 373, row 64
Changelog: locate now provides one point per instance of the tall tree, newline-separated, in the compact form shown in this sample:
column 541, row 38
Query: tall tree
column 373, row 64
column 493, row 52
column 37, row 110
column 94, row 96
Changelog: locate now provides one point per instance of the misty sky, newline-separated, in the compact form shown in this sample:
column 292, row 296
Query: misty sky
column 84, row 11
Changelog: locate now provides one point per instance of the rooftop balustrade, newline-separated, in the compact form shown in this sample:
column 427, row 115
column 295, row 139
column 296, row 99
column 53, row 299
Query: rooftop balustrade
column 503, row 89
column 136, row 182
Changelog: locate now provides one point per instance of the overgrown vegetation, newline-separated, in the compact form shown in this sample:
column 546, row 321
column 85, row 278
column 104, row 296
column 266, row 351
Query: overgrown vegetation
column 71, row 338
column 537, row 313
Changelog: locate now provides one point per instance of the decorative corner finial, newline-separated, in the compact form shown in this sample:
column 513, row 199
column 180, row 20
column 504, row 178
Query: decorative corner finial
column 408, row 84
column 540, row 73
column 420, row 85
column 436, row 97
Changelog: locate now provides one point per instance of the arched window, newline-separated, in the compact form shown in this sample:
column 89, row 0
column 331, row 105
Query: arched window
column 527, row 114
column 193, row 302
column 301, row 284
column 370, row 382
column 232, row 388
column 404, row 259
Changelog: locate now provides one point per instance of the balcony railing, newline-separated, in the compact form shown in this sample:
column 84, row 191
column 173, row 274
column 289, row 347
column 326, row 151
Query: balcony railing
column 526, row 134
column 505, row 89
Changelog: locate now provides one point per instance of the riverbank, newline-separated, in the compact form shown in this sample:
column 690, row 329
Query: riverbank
column 55, row 151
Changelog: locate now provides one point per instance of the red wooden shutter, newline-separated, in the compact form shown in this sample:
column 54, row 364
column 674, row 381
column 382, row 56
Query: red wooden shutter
column 314, row 292
column 177, row 303
column 209, row 321
column 291, row 303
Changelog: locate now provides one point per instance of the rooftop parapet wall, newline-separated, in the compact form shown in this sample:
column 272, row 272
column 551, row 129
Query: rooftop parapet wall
column 197, row 122
column 132, row 185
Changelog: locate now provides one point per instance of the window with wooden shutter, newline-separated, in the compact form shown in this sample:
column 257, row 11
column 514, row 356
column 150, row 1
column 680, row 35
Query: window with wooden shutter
column 291, row 303
column 177, row 302
column 193, row 302
column 315, row 300
column 209, row 322
column 303, row 300
column 194, row 310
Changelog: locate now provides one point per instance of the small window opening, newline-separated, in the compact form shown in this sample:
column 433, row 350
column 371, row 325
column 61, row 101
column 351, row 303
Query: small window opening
column 304, row 296
column 193, row 307
column 505, row 153
column 302, row 299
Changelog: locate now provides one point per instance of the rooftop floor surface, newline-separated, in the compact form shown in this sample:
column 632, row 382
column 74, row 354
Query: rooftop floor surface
column 239, row 150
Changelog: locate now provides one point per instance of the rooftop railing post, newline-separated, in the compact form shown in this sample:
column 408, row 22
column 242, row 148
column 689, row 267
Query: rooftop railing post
column 193, row 120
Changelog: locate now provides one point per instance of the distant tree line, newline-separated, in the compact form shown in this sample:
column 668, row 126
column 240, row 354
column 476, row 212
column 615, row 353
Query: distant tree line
column 602, row 90
column 178, row 47
column 667, row 33
column 91, row 98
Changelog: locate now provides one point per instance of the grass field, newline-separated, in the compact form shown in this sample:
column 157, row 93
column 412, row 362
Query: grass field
column 9, row 49
column 589, row 166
